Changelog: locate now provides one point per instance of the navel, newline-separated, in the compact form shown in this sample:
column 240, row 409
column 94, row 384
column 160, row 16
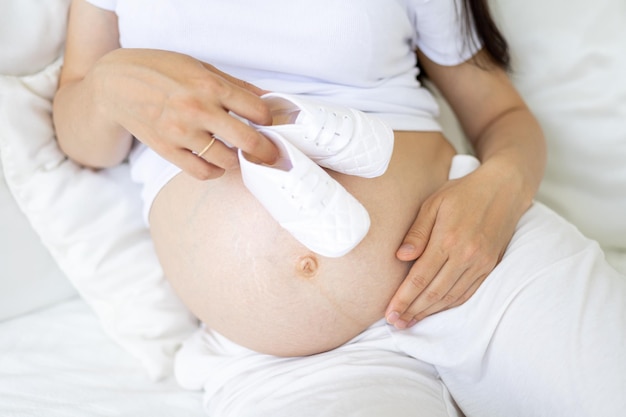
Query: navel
column 307, row 266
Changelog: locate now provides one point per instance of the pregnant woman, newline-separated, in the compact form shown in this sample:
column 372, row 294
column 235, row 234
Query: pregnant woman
column 178, row 86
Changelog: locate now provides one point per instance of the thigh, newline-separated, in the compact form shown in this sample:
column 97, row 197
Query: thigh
column 544, row 336
column 366, row 377
column 559, row 348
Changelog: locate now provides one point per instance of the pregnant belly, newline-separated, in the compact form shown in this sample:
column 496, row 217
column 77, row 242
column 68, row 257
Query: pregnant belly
column 244, row 276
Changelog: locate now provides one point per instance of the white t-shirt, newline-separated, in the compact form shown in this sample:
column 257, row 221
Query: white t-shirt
column 357, row 53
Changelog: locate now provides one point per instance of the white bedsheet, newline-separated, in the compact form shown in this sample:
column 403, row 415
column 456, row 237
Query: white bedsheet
column 57, row 362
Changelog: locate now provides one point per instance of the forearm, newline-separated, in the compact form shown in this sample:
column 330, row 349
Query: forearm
column 513, row 154
column 83, row 130
column 505, row 135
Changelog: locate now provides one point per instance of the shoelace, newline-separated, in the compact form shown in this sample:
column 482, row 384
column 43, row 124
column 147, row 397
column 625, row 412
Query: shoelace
column 304, row 191
column 333, row 126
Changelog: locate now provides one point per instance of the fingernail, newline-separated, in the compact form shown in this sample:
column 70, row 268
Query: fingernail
column 407, row 247
column 401, row 324
column 393, row 317
column 412, row 323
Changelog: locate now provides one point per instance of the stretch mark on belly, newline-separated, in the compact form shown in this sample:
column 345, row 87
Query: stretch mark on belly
column 307, row 266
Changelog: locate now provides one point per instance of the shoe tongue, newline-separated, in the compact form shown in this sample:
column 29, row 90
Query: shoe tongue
column 303, row 118
column 311, row 125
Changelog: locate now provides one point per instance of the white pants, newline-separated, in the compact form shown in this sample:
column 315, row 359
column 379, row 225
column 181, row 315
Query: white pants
column 544, row 335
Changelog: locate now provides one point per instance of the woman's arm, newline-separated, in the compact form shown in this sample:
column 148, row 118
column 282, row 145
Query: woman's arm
column 169, row 101
column 82, row 133
column 461, row 231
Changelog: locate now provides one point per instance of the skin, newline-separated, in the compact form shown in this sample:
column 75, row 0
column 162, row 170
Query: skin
column 452, row 232
column 218, row 248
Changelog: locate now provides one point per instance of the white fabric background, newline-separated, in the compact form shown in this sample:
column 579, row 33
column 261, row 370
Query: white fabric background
column 569, row 64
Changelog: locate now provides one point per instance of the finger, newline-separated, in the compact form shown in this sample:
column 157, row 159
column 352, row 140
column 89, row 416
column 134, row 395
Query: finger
column 194, row 166
column 417, row 237
column 234, row 95
column 438, row 299
column 243, row 137
column 419, row 277
column 470, row 291
column 214, row 151
column 439, row 290
column 466, row 278
column 244, row 99
column 437, row 308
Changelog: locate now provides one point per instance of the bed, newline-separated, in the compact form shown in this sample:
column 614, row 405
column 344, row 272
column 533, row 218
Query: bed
column 87, row 330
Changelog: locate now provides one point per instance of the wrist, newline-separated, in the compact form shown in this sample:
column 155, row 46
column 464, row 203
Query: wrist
column 513, row 180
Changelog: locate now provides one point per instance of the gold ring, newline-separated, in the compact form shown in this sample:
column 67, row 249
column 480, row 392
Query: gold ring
column 206, row 148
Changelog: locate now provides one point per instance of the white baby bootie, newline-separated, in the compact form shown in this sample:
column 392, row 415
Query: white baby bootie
column 340, row 138
column 318, row 211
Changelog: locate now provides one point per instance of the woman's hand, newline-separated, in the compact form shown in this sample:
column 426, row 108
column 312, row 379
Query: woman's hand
column 177, row 105
column 172, row 102
column 458, row 237
column 463, row 229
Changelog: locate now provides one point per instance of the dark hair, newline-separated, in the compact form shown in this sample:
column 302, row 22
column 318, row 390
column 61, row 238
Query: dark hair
column 477, row 13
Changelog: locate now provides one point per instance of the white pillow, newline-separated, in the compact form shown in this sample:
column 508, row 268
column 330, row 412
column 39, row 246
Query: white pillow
column 91, row 223
column 31, row 34
column 569, row 60
column 29, row 277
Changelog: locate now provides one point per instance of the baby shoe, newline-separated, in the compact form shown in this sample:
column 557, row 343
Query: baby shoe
column 340, row 138
column 318, row 211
